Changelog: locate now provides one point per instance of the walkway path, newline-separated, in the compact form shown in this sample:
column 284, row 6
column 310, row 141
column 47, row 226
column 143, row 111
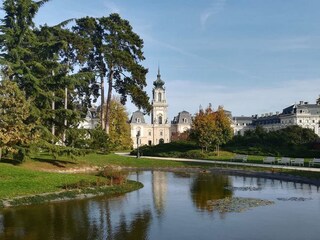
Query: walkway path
column 229, row 163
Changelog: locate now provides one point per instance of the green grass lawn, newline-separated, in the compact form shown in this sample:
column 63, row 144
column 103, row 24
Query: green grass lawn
column 30, row 177
column 19, row 181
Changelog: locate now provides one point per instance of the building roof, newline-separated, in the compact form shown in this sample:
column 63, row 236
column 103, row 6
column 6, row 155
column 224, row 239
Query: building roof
column 295, row 108
column 243, row 119
column 137, row 117
column 182, row 117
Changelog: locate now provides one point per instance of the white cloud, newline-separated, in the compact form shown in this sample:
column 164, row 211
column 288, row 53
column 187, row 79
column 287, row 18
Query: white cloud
column 215, row 8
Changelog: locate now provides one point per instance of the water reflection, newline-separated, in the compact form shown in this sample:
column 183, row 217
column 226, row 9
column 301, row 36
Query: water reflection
column 209, row 187
column 173, row 206
column 136, row 228
column 159, row 190
column 74, row 220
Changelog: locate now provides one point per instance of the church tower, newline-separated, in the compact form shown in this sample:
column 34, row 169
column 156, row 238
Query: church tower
column 159, row 113
column 159, row 102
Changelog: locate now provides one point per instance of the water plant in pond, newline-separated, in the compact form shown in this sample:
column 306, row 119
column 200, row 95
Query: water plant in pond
column 236, row 204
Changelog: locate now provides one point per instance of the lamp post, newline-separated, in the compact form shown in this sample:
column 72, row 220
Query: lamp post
column 138, row 138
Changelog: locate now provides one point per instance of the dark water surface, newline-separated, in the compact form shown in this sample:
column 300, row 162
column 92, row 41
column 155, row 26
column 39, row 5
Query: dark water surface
column 174, row 206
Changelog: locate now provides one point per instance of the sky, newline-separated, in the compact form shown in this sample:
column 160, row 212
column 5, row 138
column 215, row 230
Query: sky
column 250, row 56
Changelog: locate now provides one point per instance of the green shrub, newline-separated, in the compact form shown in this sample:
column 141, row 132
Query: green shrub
column 194, row 154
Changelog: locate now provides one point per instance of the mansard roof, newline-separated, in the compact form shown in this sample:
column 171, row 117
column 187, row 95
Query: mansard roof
column 137, row 117
column 182, row 117
column 311, row 108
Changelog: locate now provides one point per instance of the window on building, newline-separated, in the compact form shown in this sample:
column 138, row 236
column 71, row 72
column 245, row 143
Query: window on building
column 161, row 133
column 138, row 120
column 160, row 119
column 161, row 141
column 185, row 120
column 300, row 121
column 149, row 142
column 159, row 97
column 149, row 133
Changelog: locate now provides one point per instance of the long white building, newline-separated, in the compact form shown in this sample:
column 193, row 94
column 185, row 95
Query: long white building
column 302, row 114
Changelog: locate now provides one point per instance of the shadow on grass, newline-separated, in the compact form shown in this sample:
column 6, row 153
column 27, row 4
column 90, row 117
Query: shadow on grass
column 57, row 163
column 10, row 161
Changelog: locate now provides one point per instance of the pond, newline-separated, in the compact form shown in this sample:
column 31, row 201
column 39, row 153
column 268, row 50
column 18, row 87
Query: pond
column 176, row 206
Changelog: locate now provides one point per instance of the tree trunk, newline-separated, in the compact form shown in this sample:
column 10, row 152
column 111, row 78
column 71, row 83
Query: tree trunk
column 102, row 110
column 0, row 153
column 110, row 78
column 53, row 107
column 65, row 118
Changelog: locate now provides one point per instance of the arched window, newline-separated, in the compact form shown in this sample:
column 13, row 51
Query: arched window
column 159, row 97
column 185, row 120
column 138, row 120
column 138, row 130
column 161, row 141
column 160, row 119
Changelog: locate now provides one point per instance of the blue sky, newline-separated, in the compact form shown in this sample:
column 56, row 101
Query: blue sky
column 251, row 56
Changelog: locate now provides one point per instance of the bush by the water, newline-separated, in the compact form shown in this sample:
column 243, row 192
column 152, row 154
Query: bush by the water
column 292, row 141
column 184, row 149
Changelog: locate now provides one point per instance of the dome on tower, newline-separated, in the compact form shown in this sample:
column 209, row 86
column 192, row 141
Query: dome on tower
column 158, row 83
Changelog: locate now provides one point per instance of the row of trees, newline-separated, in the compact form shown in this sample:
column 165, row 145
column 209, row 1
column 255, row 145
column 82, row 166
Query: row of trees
column 58, row 72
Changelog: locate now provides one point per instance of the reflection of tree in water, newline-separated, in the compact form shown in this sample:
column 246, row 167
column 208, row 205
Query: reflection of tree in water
column 46, row 222
column 72, row 220
column 209, row 187
column 136, row 229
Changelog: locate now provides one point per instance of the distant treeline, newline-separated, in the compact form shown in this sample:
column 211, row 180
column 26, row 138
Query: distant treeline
column 292, row 141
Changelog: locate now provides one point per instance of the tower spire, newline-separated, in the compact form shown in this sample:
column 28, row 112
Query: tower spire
column 158, row 76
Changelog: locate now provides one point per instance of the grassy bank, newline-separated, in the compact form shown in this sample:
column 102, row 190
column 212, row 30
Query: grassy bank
column 20, row 180
column 32, row 177
column 71, row 194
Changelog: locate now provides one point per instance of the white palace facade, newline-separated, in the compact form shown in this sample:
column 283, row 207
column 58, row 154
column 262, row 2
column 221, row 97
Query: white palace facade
column 159, row 130
column 303, row 114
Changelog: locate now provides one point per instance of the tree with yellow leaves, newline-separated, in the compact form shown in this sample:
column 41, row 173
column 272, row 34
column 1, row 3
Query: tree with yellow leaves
column 15, row 129
column 211, row 128
column 119, row 133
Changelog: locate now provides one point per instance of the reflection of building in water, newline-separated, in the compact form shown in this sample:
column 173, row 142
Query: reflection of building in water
column 159, row 190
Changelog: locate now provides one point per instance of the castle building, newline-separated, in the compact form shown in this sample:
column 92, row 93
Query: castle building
column 302, row 114
column 158, row 131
